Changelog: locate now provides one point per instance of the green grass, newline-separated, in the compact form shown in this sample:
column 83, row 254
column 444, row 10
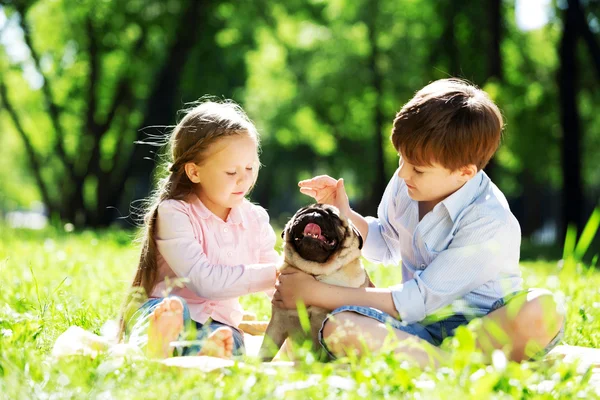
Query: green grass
column 51, row 280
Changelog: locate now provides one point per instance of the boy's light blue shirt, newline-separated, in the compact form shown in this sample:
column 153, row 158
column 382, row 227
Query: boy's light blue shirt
column 463, row 254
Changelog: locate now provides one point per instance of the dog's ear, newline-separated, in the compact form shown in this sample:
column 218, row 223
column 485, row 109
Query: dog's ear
column 360, row 238
column 288, row 226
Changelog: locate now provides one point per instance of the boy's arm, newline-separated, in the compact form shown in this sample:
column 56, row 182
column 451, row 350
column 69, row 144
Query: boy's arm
column 294, row 285
column 480, row 251
column 360, row 223
column 381, row 243
column 331, row 297
column 327, row 190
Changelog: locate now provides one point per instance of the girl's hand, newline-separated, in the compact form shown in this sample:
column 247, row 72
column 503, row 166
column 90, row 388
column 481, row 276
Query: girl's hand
column 293, row 285
column 327, row 190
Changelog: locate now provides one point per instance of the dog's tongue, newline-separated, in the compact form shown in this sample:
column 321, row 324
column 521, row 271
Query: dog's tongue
column 314, row 230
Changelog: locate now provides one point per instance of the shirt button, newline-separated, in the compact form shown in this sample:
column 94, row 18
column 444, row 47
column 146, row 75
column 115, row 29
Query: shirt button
column 423, row 266
column 229, row 254
column 225, row 230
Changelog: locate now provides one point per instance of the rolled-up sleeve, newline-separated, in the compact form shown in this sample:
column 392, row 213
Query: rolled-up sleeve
column 479, row 251
column 183, row 252
column 382, row 244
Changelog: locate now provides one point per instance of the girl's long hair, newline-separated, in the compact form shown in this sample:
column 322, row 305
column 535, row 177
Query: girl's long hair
column 203, row 124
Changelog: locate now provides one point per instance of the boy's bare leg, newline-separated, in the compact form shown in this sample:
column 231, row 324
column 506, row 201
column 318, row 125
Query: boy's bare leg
column 349, row 330
column 523, row 327
column 166, row 323
column 218, row 344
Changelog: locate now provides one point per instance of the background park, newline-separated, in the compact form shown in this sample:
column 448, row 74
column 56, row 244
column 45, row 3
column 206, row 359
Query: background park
column 87, row 87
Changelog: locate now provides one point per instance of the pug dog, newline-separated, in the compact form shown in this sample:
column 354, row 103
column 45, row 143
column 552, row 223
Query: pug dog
column 321, row 242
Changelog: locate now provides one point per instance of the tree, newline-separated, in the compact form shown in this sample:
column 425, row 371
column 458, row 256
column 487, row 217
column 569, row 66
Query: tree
column 380, row 178
column 324, row 85
column 124, row 79
column 571, row 139
column 495, row 71
column 89, row 102
column 575, row 27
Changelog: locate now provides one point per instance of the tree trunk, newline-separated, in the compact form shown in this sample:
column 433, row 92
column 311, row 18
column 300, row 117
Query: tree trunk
column 495, row 55
column 532, row 204
column 495, row 59
column 379, row 182
column 448, row 43
column 572, row 194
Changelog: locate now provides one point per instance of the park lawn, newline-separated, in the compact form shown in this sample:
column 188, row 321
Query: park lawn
column 52, row 279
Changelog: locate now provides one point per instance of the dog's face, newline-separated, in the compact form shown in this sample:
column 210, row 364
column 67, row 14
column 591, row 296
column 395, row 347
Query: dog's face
column 317, row 232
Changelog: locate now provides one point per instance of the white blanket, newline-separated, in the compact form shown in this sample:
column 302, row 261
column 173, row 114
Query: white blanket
column 78, row 341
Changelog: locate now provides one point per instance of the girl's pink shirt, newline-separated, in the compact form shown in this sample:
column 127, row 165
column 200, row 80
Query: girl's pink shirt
column 219, row 260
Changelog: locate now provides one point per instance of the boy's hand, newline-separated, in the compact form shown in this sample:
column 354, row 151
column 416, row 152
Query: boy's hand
column 291, row 286
column 327, row 190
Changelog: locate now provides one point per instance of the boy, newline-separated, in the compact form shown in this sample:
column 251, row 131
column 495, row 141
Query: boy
column 454, row 233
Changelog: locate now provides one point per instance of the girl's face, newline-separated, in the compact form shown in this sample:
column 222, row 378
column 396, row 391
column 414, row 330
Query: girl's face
column 227, row 174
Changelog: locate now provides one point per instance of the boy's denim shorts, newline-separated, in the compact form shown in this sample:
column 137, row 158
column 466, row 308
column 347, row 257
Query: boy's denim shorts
column 139, row 330
column 435, row 332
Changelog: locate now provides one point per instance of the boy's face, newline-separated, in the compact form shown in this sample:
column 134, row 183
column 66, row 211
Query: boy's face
column 433, row 183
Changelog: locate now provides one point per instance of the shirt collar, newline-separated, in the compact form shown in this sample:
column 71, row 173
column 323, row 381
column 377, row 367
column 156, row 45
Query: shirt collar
column 236, row 216
column 460, row 199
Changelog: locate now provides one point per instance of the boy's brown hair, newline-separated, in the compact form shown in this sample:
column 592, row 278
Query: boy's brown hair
column 449, row 122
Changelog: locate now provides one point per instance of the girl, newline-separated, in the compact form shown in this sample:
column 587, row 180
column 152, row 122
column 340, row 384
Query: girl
column 200, row 231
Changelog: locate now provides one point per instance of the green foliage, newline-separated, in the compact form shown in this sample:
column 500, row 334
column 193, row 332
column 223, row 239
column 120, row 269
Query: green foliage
column 576, row 248
column 64, row 87
column 526, row 95
column 54, row 279
column 86, row 77
column 311, row 86
column 322, row 80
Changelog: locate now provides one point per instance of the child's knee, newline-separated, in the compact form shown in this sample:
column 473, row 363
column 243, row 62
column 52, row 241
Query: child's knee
column 339, row 331
column 544, row 311
column 338, row 325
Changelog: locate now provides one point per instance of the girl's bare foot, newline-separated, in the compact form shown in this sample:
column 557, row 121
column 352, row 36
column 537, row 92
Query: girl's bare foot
column 166, row 323
column 218, row 344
